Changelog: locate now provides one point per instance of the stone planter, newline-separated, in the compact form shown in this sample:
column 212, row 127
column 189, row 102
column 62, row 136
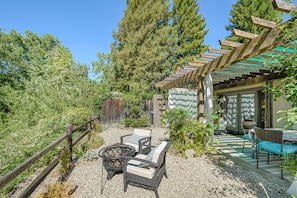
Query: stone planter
column 248, row 124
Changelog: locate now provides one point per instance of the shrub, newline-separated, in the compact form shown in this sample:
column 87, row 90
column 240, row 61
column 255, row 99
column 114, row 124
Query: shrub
column 186, row 133
column 59, row 189
column 142, row 122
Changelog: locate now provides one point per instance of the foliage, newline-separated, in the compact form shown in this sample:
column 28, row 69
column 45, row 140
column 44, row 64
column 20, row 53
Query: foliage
column 102, row 69
column 65, row 162
column 41, row 91
column 175, row 118
column 143, row 52
column 142, row 122
column 288, row 65
column 219, row 110
column 58, row 189
column 92, row 142
column 241, row 12
column 289, row 165
column 4, row 192
column 190, row 27
column 186, row 133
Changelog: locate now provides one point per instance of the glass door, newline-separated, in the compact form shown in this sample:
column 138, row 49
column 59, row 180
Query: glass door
column 240, row 107
column 247, row 107
column 232, row 113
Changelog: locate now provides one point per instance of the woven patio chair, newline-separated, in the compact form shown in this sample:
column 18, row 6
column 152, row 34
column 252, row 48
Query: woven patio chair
column 140, row 139
column 246, row 135
column 146, row 170
column 272, row 142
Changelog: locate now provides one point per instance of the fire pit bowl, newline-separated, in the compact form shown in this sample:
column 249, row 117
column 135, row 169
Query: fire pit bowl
column 112, row 158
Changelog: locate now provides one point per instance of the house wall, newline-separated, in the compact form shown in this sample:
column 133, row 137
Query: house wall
column 278, row 105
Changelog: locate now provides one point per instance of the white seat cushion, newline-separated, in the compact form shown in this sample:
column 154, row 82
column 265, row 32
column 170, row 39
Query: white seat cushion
column 135, row 162
column 158, row 150
column 133, row 166
column 135, row 146
column 143, row 172
column 143, row 132
column 134, row 138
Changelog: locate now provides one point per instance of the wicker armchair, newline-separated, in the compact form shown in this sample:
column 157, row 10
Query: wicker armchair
column 140, row 139
column 272, row 141
column 146, row 170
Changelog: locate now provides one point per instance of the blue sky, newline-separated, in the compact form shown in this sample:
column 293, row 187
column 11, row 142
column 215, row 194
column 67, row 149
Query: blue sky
column 85, row 27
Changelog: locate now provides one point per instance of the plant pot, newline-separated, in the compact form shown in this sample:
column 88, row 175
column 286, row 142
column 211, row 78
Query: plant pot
column 248, row 124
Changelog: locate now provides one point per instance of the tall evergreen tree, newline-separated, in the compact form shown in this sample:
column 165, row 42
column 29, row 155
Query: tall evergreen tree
column 190, row 27
column 143, row 51
column 241, row 12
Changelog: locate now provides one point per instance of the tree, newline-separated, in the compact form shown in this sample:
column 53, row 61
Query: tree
column 41, row 91
column 241, row 12
column 190, row 27
column 143, row 51
column 102, row 69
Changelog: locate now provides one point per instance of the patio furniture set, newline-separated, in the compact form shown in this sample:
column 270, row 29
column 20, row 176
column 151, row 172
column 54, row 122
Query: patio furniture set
column 280, row 142
column 141, row 163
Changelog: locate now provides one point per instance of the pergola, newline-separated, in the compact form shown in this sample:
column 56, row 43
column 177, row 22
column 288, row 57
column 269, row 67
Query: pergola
column 244, row 63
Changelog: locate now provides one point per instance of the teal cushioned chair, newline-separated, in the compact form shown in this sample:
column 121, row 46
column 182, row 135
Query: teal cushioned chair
column 272, row 142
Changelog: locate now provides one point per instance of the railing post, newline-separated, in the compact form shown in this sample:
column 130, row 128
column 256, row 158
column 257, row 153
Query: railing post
column 69, row 140
column 89, row 127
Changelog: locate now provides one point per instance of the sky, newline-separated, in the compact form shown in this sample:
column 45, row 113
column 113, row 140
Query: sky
column 85, row 27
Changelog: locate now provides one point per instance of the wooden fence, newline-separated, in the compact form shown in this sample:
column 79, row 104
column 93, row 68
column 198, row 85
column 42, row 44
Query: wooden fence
column 68, row 137
column 113, row 111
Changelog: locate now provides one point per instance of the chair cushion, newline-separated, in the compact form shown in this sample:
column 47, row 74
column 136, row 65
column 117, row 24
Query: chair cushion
column 136, row 146
column 143, row 132
column 149, row 156
column 276, row 148
column 246, row 136
column 158, row 150
column 134, row 138
column 138, row 163
column 143, row 172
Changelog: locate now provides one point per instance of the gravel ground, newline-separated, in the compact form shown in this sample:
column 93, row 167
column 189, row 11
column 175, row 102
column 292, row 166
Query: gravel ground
column 205, row 176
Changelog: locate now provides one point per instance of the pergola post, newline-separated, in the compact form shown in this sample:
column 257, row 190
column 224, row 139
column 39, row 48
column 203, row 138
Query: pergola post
column 200, row 99
column 208, row 98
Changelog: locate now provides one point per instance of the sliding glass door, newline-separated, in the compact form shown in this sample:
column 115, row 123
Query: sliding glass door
column 232, row 112
column 239, row 107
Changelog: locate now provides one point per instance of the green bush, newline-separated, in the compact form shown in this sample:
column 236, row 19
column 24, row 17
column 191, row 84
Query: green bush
column 186, row 133
column 142, row 122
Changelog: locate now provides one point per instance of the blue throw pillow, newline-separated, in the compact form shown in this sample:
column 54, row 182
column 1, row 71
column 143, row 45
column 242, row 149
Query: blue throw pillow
column 134, row 138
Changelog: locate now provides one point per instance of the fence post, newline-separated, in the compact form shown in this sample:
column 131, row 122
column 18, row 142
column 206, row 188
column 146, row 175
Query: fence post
column 89, row 127
column 69, row 141
column 98, row 123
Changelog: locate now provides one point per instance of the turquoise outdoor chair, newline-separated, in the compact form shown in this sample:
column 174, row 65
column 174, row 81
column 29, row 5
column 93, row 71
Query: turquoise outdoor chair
column 272, row 142
column 246, row 137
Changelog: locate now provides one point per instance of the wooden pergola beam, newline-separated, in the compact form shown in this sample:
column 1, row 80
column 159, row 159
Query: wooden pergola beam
column 195, row 64
column 217, row 51
column 218, row 59
column 230, row 43
column 263, row 22
column 204, row 61
column 244, row 34
column 283, row 6
column 210, row 56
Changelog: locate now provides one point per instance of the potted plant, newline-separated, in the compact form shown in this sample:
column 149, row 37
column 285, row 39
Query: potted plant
column 248, row 123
